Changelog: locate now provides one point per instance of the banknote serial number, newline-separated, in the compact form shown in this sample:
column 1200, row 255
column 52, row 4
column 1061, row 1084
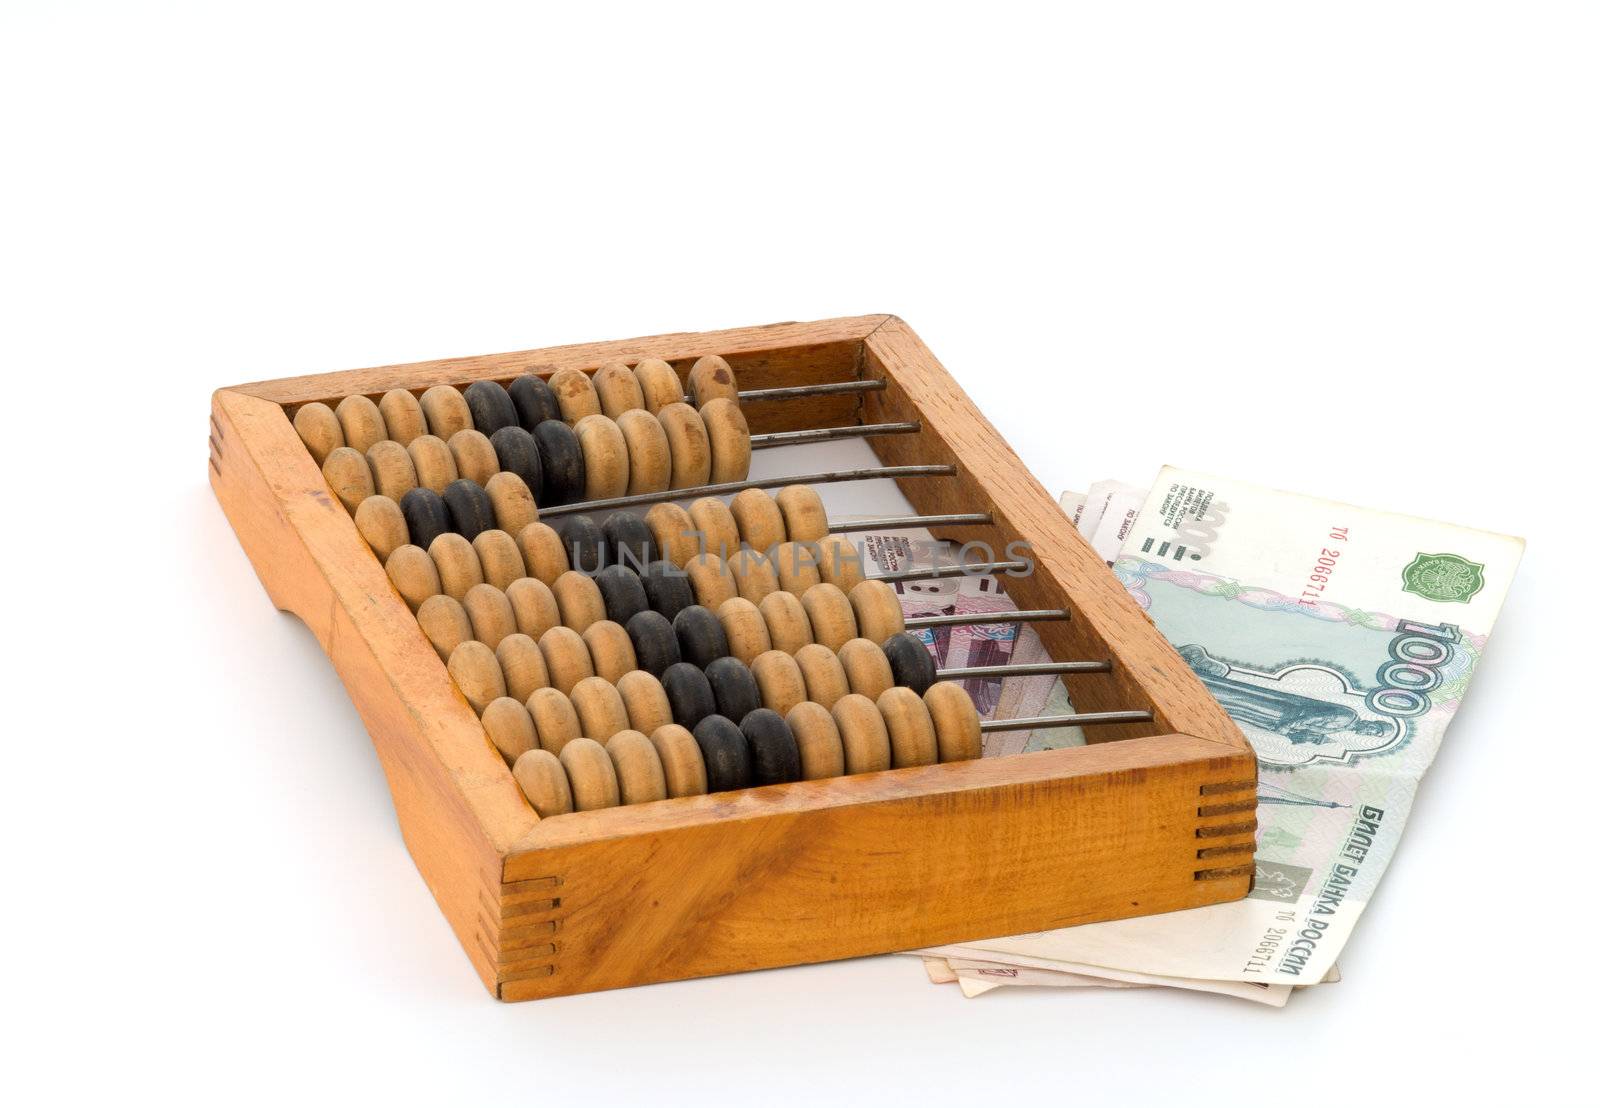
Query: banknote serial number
column 1322, row 572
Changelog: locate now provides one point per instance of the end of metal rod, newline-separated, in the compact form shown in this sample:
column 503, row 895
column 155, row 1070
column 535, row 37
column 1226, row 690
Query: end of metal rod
column 1040, row 615
column 964, row 569
column 1034, row 669
column 1082, row 719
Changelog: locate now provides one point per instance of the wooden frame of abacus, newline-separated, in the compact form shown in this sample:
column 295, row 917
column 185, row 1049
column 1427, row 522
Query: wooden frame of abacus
column 1162, row 818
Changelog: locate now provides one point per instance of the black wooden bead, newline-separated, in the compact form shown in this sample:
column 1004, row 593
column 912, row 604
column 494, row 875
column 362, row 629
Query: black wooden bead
column 655, row 645
column 734, row 686
column 561, row 459
column 774, row 755
column 582, row 539
column 668, row 588
column 426, row 516
column 725, row 752
column 629, row 542
column 471, row 512
column 622, row 592
column 701, row 639
column 534, row 401
column 490, row 406
column 518, row 453
column 688, row 694
column 910, row 661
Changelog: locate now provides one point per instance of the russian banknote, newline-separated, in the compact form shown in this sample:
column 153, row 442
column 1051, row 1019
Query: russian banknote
column 974, row 644
column 1341, row 640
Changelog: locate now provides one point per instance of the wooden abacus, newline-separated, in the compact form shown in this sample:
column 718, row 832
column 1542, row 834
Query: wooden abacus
column 657, row 860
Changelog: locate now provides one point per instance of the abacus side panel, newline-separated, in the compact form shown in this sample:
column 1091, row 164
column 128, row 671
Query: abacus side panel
column 891, row 861
column 456, row 803
column 1105, row 623
column 771, row 356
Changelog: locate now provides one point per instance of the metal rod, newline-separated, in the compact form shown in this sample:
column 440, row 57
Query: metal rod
column 1038, row 615
column 1030, row 669
column 1082, row 719
column 880, row 473
column 960, row 570
column 829, row 434
column 831, row 388
column 889, row 523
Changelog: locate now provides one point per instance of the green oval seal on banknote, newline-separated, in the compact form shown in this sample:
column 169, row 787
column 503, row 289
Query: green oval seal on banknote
column 1447, row 578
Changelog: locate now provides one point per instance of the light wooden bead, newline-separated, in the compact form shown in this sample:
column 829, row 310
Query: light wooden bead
column 509, row 726
column 804, row 517
column 689, row 445
column 754, row 575
column 522, row 665
column 361, row 422
column 457, row 562
column 760, row 520
column 779, row 678
column 866, row 667
column 413, row 575
column 383, row 525
column 476, row 672
column 534, row 606
column 718, row 530
column 393, row 473
column 649, row 456
column 711, row 581
column 605, row 457
column 319, row 429
column 579, row 599
column 566, row 656
column 554, row 718
column 681, row 761
column 402, row 416
column 444, row 621
column 833, row 622
column 601, row 712
column 474, row 455
column 817, row 736
column 490, row 613
column 796, row 566
column 543, row 780
column 499, row 558
column 712, row 378
column 878, row 611
column 912, row 741
column 730, row 440
column 823, row 674
column 512, row 502
column 610, row 649
column 646, row 701
column 542, row 552
column 840, row 562
column 435, row 465
column 955, row 722
column 590, row 773
column 348, row 476
column 617, row 388
column 862, row 733
column 659, row 384
column 746, row 629
column 446, row 411
column 674, row 532
column 575, row 394
column 787, row 623
column 640, row 777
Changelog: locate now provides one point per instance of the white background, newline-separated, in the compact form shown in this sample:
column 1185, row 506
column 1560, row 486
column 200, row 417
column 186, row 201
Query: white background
column 1349, row 250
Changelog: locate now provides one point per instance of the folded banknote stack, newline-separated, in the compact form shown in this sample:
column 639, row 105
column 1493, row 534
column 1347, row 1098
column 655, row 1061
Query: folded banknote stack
column 1340, row 639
